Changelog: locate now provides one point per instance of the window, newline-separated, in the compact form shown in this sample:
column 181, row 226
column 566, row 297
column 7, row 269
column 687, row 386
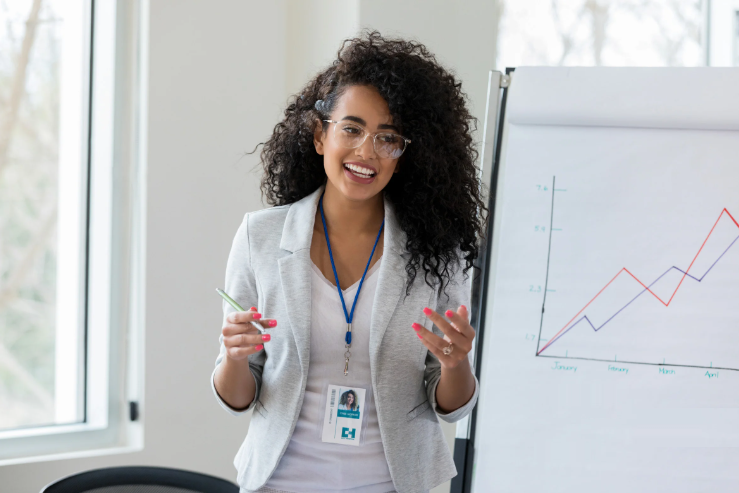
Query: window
column 724, row 33
column 40, row 358
column 70, row 226
column 659, row 33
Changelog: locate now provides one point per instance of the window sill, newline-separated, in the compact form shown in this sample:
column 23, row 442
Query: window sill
column 77, row 454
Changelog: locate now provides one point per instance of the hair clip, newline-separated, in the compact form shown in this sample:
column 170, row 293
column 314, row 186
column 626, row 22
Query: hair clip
column 319, row 105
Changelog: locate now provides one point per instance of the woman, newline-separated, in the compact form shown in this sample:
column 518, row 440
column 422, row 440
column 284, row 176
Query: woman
column 348, row 401
column 367, row 250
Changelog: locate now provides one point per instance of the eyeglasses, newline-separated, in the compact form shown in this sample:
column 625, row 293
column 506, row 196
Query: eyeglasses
column 386, row 144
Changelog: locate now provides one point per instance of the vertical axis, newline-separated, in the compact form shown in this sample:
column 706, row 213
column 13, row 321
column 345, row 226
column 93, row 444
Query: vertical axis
column 546, row 280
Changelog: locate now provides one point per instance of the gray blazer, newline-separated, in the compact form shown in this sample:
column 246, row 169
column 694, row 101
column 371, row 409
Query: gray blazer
column 270, row 267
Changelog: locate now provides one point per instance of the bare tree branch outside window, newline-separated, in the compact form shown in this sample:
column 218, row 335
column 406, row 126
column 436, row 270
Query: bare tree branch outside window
column 29, row 129
column 600, row 33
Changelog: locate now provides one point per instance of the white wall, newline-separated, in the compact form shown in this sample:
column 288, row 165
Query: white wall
column 462, row 36
column 220, row 74
column 315, row 30
column 217, row 86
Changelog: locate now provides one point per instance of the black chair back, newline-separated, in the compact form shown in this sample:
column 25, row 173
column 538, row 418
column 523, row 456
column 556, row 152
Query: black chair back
column 140, row 479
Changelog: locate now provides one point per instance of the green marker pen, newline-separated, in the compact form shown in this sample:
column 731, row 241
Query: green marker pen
column 233, row 303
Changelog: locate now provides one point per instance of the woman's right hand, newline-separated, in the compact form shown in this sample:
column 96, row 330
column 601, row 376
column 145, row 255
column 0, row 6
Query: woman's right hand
column 241, row 338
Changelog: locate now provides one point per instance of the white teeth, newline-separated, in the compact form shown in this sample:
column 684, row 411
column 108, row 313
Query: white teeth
column 358, row 170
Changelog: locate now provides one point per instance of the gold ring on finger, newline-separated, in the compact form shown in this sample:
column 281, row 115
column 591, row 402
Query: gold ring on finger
column 448, row 350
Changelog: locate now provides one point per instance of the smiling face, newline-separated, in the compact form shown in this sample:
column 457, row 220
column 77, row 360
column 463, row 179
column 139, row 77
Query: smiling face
column 359, row 173
column 350, row 399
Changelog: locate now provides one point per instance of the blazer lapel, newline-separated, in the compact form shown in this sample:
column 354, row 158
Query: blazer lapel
column 390, row 283
column 295, row 275
column 295, row 271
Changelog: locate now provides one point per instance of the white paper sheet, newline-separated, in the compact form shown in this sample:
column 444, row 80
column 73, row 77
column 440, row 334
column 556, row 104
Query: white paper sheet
column 591, row 215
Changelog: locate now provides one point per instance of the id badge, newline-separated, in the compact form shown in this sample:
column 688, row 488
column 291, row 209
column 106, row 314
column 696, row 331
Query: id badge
column 343, row 418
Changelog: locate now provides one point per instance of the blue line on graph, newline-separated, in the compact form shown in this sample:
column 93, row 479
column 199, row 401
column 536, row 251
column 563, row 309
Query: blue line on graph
column 585, row 317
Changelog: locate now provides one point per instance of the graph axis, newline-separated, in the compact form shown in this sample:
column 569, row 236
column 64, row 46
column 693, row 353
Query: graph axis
column 635, row 362
column 546, row 279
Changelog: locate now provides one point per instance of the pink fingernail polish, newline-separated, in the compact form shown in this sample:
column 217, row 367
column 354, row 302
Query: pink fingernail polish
column 419, row 335
column 254, row 308
column 427, row 311
column 257, row 316
column 449, row 313
column 272, row 323
column 259, row 347
column 464, row 307
column 416, row 327
column 266, row 337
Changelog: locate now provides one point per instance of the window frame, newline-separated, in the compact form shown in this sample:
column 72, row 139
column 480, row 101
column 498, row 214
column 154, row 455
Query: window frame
column 109, row 150
column 723, row 21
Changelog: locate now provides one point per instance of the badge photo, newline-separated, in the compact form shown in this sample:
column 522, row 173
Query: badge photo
column 343, row 420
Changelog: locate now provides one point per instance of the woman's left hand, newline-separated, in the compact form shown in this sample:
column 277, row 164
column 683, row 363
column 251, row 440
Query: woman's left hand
column 457, row 331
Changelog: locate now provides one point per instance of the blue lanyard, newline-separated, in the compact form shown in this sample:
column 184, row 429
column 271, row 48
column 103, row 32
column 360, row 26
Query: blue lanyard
column 349, row 316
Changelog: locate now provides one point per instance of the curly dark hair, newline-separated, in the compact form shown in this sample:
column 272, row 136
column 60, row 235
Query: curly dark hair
column 436, row 193
column 345, row 400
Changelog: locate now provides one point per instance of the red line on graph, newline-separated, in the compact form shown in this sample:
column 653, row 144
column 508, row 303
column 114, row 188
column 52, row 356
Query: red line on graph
column 643, row 285
column 732, row 218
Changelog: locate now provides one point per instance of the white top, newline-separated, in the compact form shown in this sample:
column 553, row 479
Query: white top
column 310, row 465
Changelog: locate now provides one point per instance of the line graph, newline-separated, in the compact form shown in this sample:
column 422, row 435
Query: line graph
column 582, row 319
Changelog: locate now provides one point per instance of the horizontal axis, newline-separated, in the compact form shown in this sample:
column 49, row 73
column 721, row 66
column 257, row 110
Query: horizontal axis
column 636, row 362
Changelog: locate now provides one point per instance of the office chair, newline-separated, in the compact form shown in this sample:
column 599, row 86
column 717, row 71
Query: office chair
column 140, row 479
